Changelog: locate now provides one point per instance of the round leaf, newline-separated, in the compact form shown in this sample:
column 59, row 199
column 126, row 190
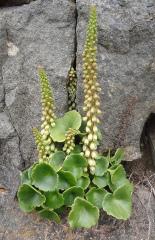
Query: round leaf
column 71, row 193
column 75, row 163
column 102, row 164
column 71, row 119
column 56, row 161
column 50, row 215
column 83, row 182
column 29, row 198
column 119, row 156
column 65, row 180
column 30, row 169
column 96, row 196
column 83, row 214
column 118, row 204
column 25, row 177
column 77, row 149
column 60, row 210
column 53, row 200
column 100, row 181
column 117, row 177
column 44, row 177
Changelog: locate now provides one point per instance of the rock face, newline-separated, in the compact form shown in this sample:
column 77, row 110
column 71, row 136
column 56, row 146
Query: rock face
column 49, row 33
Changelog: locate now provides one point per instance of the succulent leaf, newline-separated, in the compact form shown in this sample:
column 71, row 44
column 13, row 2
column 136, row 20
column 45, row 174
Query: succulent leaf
column 53, row 200
column 29, row 198
column 71, row 120
column 83, row 214
column 65, row 180
column 100, row 181
column 118, row 204
column 83, row 182
column 102, row 164
column 96, row 196
column 75, row 163
column 44, row 177
column 56, row 160
column 50, row 215
column 70, row 194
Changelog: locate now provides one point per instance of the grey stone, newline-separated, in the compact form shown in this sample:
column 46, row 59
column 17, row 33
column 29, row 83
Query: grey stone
column 6, row 128
column 126, row 50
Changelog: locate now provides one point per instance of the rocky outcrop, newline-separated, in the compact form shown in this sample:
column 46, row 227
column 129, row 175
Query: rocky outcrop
column 51, row 33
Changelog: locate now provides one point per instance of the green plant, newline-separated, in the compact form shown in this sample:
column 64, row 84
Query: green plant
column 70, row 171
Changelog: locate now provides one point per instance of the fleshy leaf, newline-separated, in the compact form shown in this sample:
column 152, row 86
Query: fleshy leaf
column 65, row 180
column 53, row 200
column 50, row 215
column 118, row 204
column 83, row 214
column 118, row 157
column 100, row 181
column 83, row 182
column 71, row 119
column 75, row 163
column 56, row 160
column 25, row 177
column 70, row 194
column 117, row 177
column 31, row 168
column 77, row 149
column 44, row 177
column 29, row 198
column 96, row 196
column 60, row 210
column 102, row 164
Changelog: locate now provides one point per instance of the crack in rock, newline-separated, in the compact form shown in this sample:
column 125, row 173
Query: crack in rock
column 10, row 3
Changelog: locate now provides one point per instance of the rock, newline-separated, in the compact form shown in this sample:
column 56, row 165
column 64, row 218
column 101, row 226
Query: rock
column 126, row 50
column 6, row 128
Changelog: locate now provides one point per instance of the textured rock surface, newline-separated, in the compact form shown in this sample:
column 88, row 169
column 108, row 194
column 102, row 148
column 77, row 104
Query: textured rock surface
column 43, row 33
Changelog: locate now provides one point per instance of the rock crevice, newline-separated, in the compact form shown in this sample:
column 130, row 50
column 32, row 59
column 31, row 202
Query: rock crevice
column 10, row 3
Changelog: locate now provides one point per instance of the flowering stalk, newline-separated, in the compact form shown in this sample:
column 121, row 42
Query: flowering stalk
column 71, row 87
column 70, row 139
column 91, row 92
column 48, row 116
column 42, row 150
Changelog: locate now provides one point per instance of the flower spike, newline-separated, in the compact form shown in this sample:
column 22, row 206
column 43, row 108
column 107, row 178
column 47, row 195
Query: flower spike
column 70, row 140
column 40, row 145
column 91, row 90
column 71, row 86
column 48, row 115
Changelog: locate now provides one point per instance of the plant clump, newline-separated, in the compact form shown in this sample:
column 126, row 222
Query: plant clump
column 71, row 172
